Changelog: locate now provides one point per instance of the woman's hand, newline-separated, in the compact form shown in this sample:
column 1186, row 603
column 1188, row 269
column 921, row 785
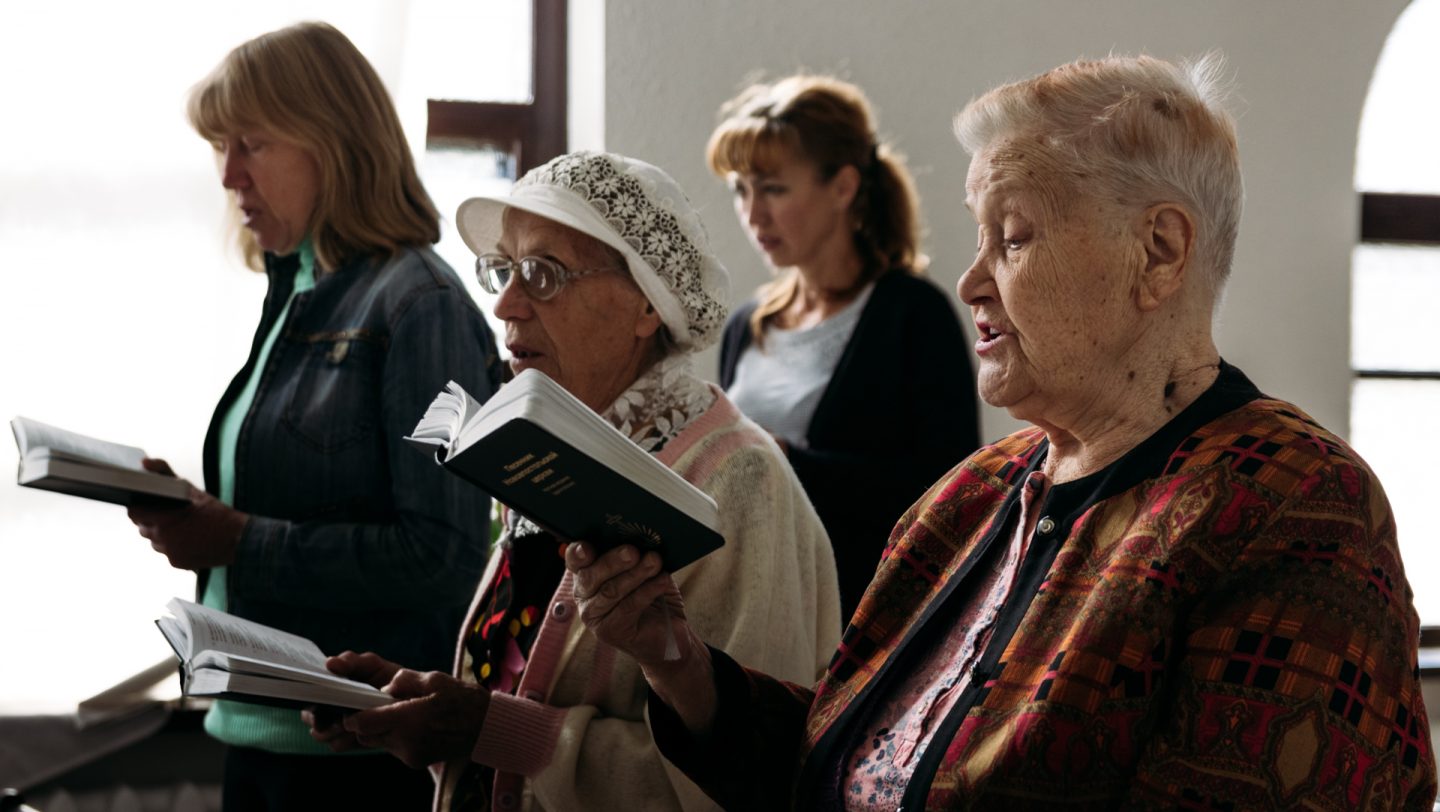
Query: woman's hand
column 369, row 668
column 327, row 723
column 626, row 601
column 438, row 717
column 197, row 536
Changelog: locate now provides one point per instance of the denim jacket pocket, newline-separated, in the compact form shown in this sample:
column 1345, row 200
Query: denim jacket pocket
column 336, row 399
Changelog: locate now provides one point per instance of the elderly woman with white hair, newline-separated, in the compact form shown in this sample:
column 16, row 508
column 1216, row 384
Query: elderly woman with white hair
column 1173, row 591
column 606, row 283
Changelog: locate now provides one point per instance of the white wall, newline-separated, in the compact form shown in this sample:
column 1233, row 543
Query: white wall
column 1302, row 69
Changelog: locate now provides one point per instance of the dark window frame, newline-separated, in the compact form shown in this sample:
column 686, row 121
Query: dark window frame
column 531, row 132
column 1399, row 218
column 1412, row 219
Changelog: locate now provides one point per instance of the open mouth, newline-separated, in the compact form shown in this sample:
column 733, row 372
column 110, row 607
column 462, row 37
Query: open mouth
column 989, row 336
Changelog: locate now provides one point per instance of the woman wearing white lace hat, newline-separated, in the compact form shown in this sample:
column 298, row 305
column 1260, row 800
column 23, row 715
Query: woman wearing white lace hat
column 607, row 285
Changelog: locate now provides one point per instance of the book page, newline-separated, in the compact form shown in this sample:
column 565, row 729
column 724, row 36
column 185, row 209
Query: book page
column 32, row 434
column 211, row 629
column 443, row 419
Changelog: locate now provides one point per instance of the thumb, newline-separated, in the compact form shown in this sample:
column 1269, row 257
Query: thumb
column 404, row 684
column 157, row 466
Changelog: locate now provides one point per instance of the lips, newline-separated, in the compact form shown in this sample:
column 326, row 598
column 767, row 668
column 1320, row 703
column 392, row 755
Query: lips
column 990, row 335
column 767, row 243
column 522, row 356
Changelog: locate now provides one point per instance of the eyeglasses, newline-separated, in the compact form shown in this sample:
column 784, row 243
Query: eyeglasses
column 541, row 278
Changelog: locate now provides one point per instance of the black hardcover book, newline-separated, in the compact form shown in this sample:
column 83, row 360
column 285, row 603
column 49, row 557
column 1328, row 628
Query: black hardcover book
column 537, row 449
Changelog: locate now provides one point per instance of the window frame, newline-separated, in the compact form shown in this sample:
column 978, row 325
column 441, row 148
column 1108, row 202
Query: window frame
column 531, row 132
column 1387, row 218
column 1410, row 219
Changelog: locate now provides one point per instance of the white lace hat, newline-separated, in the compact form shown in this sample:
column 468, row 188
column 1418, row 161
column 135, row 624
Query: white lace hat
column 636, row 209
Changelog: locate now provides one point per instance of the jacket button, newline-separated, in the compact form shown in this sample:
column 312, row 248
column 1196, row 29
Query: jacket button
column 561, row 612
column 505, row 800
column 1046, row 526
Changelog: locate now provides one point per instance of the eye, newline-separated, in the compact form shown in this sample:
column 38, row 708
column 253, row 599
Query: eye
column 773, row 189
column 1013, row 243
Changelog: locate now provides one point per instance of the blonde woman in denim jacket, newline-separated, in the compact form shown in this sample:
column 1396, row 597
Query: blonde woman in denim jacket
column 315, row 519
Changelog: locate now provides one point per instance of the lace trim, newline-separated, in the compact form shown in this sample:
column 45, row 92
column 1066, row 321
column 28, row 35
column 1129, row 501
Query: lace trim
column 666, row 233
column 661, row 403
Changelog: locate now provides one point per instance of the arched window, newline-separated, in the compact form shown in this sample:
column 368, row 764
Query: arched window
column 1395, row 310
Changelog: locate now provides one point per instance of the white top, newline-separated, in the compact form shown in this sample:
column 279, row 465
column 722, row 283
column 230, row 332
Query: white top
column 780, row 386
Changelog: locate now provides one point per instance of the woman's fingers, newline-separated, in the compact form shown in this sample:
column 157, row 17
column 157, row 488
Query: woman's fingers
column 580, row 558
column 599, row 596
column 157, row 466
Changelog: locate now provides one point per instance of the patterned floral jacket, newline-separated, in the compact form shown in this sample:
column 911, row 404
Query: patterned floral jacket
column 1218, row 620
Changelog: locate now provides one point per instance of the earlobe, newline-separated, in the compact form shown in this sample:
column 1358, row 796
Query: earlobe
column 1168, row 236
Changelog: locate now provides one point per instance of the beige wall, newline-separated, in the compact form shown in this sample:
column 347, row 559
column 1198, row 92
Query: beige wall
column 1302, row 69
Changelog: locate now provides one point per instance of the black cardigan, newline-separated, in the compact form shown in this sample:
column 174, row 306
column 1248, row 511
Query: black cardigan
column 899, row 412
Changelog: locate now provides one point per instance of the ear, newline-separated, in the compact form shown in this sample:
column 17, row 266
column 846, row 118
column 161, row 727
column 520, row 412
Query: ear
column 844, row 185
column 648, row 322
column 1167, row 233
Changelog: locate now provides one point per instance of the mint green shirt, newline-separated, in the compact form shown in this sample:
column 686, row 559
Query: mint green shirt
column 278, row 730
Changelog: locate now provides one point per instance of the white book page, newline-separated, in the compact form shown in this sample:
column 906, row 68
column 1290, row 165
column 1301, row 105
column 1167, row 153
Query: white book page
column 240, row 664
column 32, row 434
column 210, row 629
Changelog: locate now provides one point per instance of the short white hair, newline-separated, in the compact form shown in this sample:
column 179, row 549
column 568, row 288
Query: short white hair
column 1132, row 129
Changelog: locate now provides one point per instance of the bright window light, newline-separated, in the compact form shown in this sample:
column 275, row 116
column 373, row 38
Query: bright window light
column 127, row 311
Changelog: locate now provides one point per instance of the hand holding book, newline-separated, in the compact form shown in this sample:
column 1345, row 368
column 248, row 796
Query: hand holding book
column 434, row 717
column 227, row 656
column 54, row 459
column 200, row 534
column 629, row 603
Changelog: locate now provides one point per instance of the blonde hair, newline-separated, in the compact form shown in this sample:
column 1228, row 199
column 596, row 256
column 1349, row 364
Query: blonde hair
column 827, row 122
column 1132, row 130
column 309, row 85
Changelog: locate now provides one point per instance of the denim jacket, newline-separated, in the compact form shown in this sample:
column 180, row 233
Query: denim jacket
column 356, row 540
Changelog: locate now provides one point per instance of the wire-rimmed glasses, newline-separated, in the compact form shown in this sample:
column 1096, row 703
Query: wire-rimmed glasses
column 541, row 278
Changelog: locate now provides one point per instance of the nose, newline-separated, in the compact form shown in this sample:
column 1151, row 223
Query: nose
column 756, row 212
column 232, row 171
column 977, row 283
column 513, row 303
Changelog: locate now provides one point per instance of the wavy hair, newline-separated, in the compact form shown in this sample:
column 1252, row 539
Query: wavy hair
column 1136, row 130
column 827, row 122
column 308, row 84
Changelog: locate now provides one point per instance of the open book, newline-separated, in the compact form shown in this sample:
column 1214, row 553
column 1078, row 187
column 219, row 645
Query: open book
column 537, row 448
column 233, row 658
column 54, row 459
